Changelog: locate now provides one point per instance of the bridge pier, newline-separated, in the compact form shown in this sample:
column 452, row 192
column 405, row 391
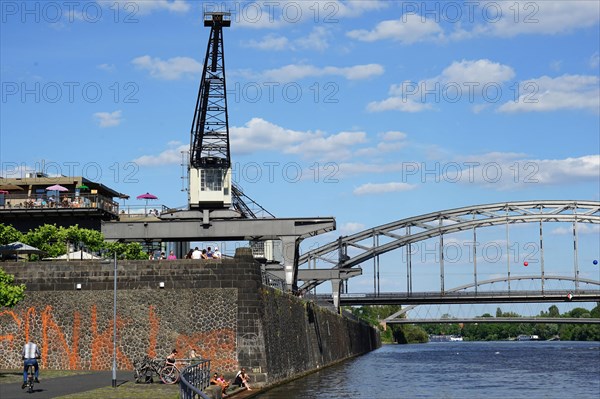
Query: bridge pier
column 291, row 249
column 336, row 285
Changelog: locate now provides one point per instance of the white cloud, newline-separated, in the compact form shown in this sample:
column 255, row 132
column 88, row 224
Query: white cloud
column 270, row 43
column 294, row 72
column 379, row 188
column 171, row 69
column 410, row 28
column 274, row 15
column 582, row 228
column 594, row 61
column 397, row 104
column 393, row 136
column 462, row 80
column 550, row 94
column 315, row 40
column 512, row 171
column 482, row 71
column 108, row 119
column 541, row 17
column 261, row 135
column 351, row 228
column 135, row 7
column 107, row 67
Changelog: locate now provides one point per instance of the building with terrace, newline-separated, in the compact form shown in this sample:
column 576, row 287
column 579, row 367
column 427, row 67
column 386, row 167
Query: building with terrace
column 37, row 199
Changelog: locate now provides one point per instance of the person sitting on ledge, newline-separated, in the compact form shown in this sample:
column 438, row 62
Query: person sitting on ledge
column 223, row 382
column 241, row 379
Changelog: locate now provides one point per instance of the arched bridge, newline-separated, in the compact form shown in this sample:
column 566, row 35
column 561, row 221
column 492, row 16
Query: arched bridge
column 348, row 252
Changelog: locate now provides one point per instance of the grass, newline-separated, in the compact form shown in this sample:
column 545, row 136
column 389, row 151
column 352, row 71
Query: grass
column 130, row 390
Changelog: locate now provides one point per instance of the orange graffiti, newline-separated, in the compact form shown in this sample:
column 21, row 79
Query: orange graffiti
column 154, row 326
column 50, row 326
column 102, row 341
column 10, row 337
column 217, row 345
column 28, row 316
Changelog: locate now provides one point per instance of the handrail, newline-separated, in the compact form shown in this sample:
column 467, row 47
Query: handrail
column 194, row 379
column 64, row 201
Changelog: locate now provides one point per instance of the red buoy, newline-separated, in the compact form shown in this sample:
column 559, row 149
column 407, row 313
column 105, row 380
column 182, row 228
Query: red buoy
column 525, row 263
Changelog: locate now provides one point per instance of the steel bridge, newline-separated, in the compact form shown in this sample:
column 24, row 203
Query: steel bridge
column 350, row 252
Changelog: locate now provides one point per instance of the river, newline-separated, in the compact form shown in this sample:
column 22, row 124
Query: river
column 461, row 370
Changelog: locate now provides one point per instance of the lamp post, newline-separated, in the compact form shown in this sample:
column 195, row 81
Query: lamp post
column 114, row 366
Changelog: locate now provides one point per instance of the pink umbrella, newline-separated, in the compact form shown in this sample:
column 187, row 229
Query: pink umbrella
column 56, row 187
column 146, row 197
column 3, row 192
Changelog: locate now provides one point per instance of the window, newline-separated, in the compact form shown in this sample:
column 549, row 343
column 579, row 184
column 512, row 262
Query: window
column 211, row 180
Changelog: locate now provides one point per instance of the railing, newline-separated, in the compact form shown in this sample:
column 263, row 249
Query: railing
column 194, row 380
column 65, row 201
column 141, row 211
column 273, row 281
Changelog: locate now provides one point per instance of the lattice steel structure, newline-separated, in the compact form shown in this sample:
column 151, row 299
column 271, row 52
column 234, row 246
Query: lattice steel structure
column 366, row 245
column 210, row 129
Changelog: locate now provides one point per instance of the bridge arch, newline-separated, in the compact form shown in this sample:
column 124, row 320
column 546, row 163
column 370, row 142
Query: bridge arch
column 365, row 245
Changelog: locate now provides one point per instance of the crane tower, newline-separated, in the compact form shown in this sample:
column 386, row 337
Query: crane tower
column 210, row 163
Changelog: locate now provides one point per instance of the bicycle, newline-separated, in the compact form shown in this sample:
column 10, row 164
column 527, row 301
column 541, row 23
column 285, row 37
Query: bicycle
column 30, row 378
column 147, row 367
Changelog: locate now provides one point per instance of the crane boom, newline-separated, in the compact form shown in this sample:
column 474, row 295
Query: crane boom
column 210, row 160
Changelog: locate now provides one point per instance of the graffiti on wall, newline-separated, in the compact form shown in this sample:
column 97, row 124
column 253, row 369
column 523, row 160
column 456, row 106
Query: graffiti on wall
column 84, row 340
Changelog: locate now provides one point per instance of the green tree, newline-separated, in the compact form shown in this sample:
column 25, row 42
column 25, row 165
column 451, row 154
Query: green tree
column 409, row 334
column 10, row 293
column 553, row 311
column 9, row 234
column 132, row 250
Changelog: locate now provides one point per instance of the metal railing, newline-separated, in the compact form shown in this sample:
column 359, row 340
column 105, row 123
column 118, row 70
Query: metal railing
column 65, row 201
column 194, row 380
column 273, row 281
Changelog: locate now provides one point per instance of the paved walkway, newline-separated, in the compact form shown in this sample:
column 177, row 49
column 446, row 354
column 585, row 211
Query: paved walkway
column 60, row 386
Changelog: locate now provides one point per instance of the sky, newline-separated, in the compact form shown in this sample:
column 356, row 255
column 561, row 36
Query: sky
column 367, row 111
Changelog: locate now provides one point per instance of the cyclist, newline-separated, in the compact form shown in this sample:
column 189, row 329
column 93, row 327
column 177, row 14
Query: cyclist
column 31, row 353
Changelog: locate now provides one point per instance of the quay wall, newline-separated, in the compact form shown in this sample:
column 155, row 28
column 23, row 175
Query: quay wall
column 218, row 307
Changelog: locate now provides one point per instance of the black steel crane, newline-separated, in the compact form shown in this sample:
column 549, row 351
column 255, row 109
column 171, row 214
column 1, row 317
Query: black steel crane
column 210, row 160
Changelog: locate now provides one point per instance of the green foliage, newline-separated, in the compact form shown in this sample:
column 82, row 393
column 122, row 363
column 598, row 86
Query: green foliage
column 56, row 240
column 410, row 334
column 10, row 293
column 9, row 234
column 391, row 333
column 132, row 250
column 504, row 331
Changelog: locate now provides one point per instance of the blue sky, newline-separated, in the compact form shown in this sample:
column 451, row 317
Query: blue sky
column 369, row 111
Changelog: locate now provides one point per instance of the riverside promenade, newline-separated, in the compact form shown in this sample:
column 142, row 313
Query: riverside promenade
column 97, row 384
column 93, row 385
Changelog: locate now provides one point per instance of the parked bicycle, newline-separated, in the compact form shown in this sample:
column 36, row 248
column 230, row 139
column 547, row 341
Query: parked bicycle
column 146, row 368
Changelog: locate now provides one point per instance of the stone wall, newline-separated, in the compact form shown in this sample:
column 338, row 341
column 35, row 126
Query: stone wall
column 218, row 307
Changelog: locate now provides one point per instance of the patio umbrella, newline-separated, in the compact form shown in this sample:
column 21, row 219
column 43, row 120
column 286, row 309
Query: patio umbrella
column 19, row 248
column 3, row 192
column 56, row 187
column 83, row 187
column 10, row 187
column 146, row 197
